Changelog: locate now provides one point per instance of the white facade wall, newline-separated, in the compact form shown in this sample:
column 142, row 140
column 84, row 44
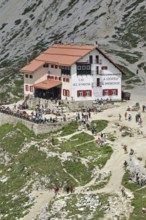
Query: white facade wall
column 110, row 79
column 38, row 76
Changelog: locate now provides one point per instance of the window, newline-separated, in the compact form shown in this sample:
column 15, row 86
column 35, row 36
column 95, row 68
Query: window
column 52, row 66
column 110, row 92
column 31, row 76
column 48, row 77
column 65, row 79
column 60, row 78
column 26, row 75
column 79, row 67
column 104, row 67
column 66, row 92
column 105, row 92
column 56, row 78
column 65, row 70
column 31, row 88
column 97, row 70
column 91, row 59
column 114, row 92
column 83, row 69
column 79, row 93
column 46, row 65
column 88, row 93
column 97, row 59
column 84, row 93
column 56, row 66
column 26, row 88
column 98, row 82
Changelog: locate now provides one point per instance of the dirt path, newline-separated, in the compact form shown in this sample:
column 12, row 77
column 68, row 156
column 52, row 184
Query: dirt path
column 42, row 198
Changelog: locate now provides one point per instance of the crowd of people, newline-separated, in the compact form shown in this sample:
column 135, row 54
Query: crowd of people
column 35, row 116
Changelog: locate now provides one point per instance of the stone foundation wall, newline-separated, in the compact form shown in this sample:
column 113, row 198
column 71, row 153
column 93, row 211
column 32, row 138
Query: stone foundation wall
column 37, row 128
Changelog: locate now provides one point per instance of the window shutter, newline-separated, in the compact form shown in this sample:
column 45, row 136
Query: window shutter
column 103, row 92
column 68, row 93
column 110, row 92
column 90, row 92
column 84, row 93
column 78, row 93
column 116, row 91
column 26, row 87
column 31, row 88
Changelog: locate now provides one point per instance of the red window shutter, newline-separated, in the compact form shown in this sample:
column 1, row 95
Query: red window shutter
column 68, row 93
column 90, row 92
column 63, row 79
column 26, row 87
column 60, row 78
column 48, row 77
column 31, row 88
column 78, row 93
column 103, row 92
column 109, row 92
column 116, row 91
column 84, row 93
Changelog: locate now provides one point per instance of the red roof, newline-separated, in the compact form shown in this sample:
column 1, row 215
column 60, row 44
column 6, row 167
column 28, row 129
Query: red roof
column 62, row 55
column 47, row 84
column 59, row 54
column 32, row 66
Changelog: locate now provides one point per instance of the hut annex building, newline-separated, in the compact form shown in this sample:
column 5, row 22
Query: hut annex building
column 72, row 72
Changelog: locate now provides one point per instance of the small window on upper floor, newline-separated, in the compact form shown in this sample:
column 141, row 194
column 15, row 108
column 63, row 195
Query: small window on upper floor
column 30, row 76
column 97, row 59
column 90, row 59
column 46, row 65
column 56, row 66
column 26, row 75
column 52, row 66
column 104, row 67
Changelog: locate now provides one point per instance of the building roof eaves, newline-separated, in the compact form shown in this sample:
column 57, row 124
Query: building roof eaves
column 100, row 51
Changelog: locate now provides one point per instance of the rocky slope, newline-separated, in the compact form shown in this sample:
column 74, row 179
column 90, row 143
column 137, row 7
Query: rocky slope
column 29, row 27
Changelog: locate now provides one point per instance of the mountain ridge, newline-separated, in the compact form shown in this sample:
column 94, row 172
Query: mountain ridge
column 29, row 26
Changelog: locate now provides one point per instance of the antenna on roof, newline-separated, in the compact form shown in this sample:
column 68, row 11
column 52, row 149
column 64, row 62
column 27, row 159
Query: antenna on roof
column 96, row 43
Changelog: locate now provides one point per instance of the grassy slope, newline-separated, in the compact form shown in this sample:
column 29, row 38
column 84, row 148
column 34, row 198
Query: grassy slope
column 24, row 168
